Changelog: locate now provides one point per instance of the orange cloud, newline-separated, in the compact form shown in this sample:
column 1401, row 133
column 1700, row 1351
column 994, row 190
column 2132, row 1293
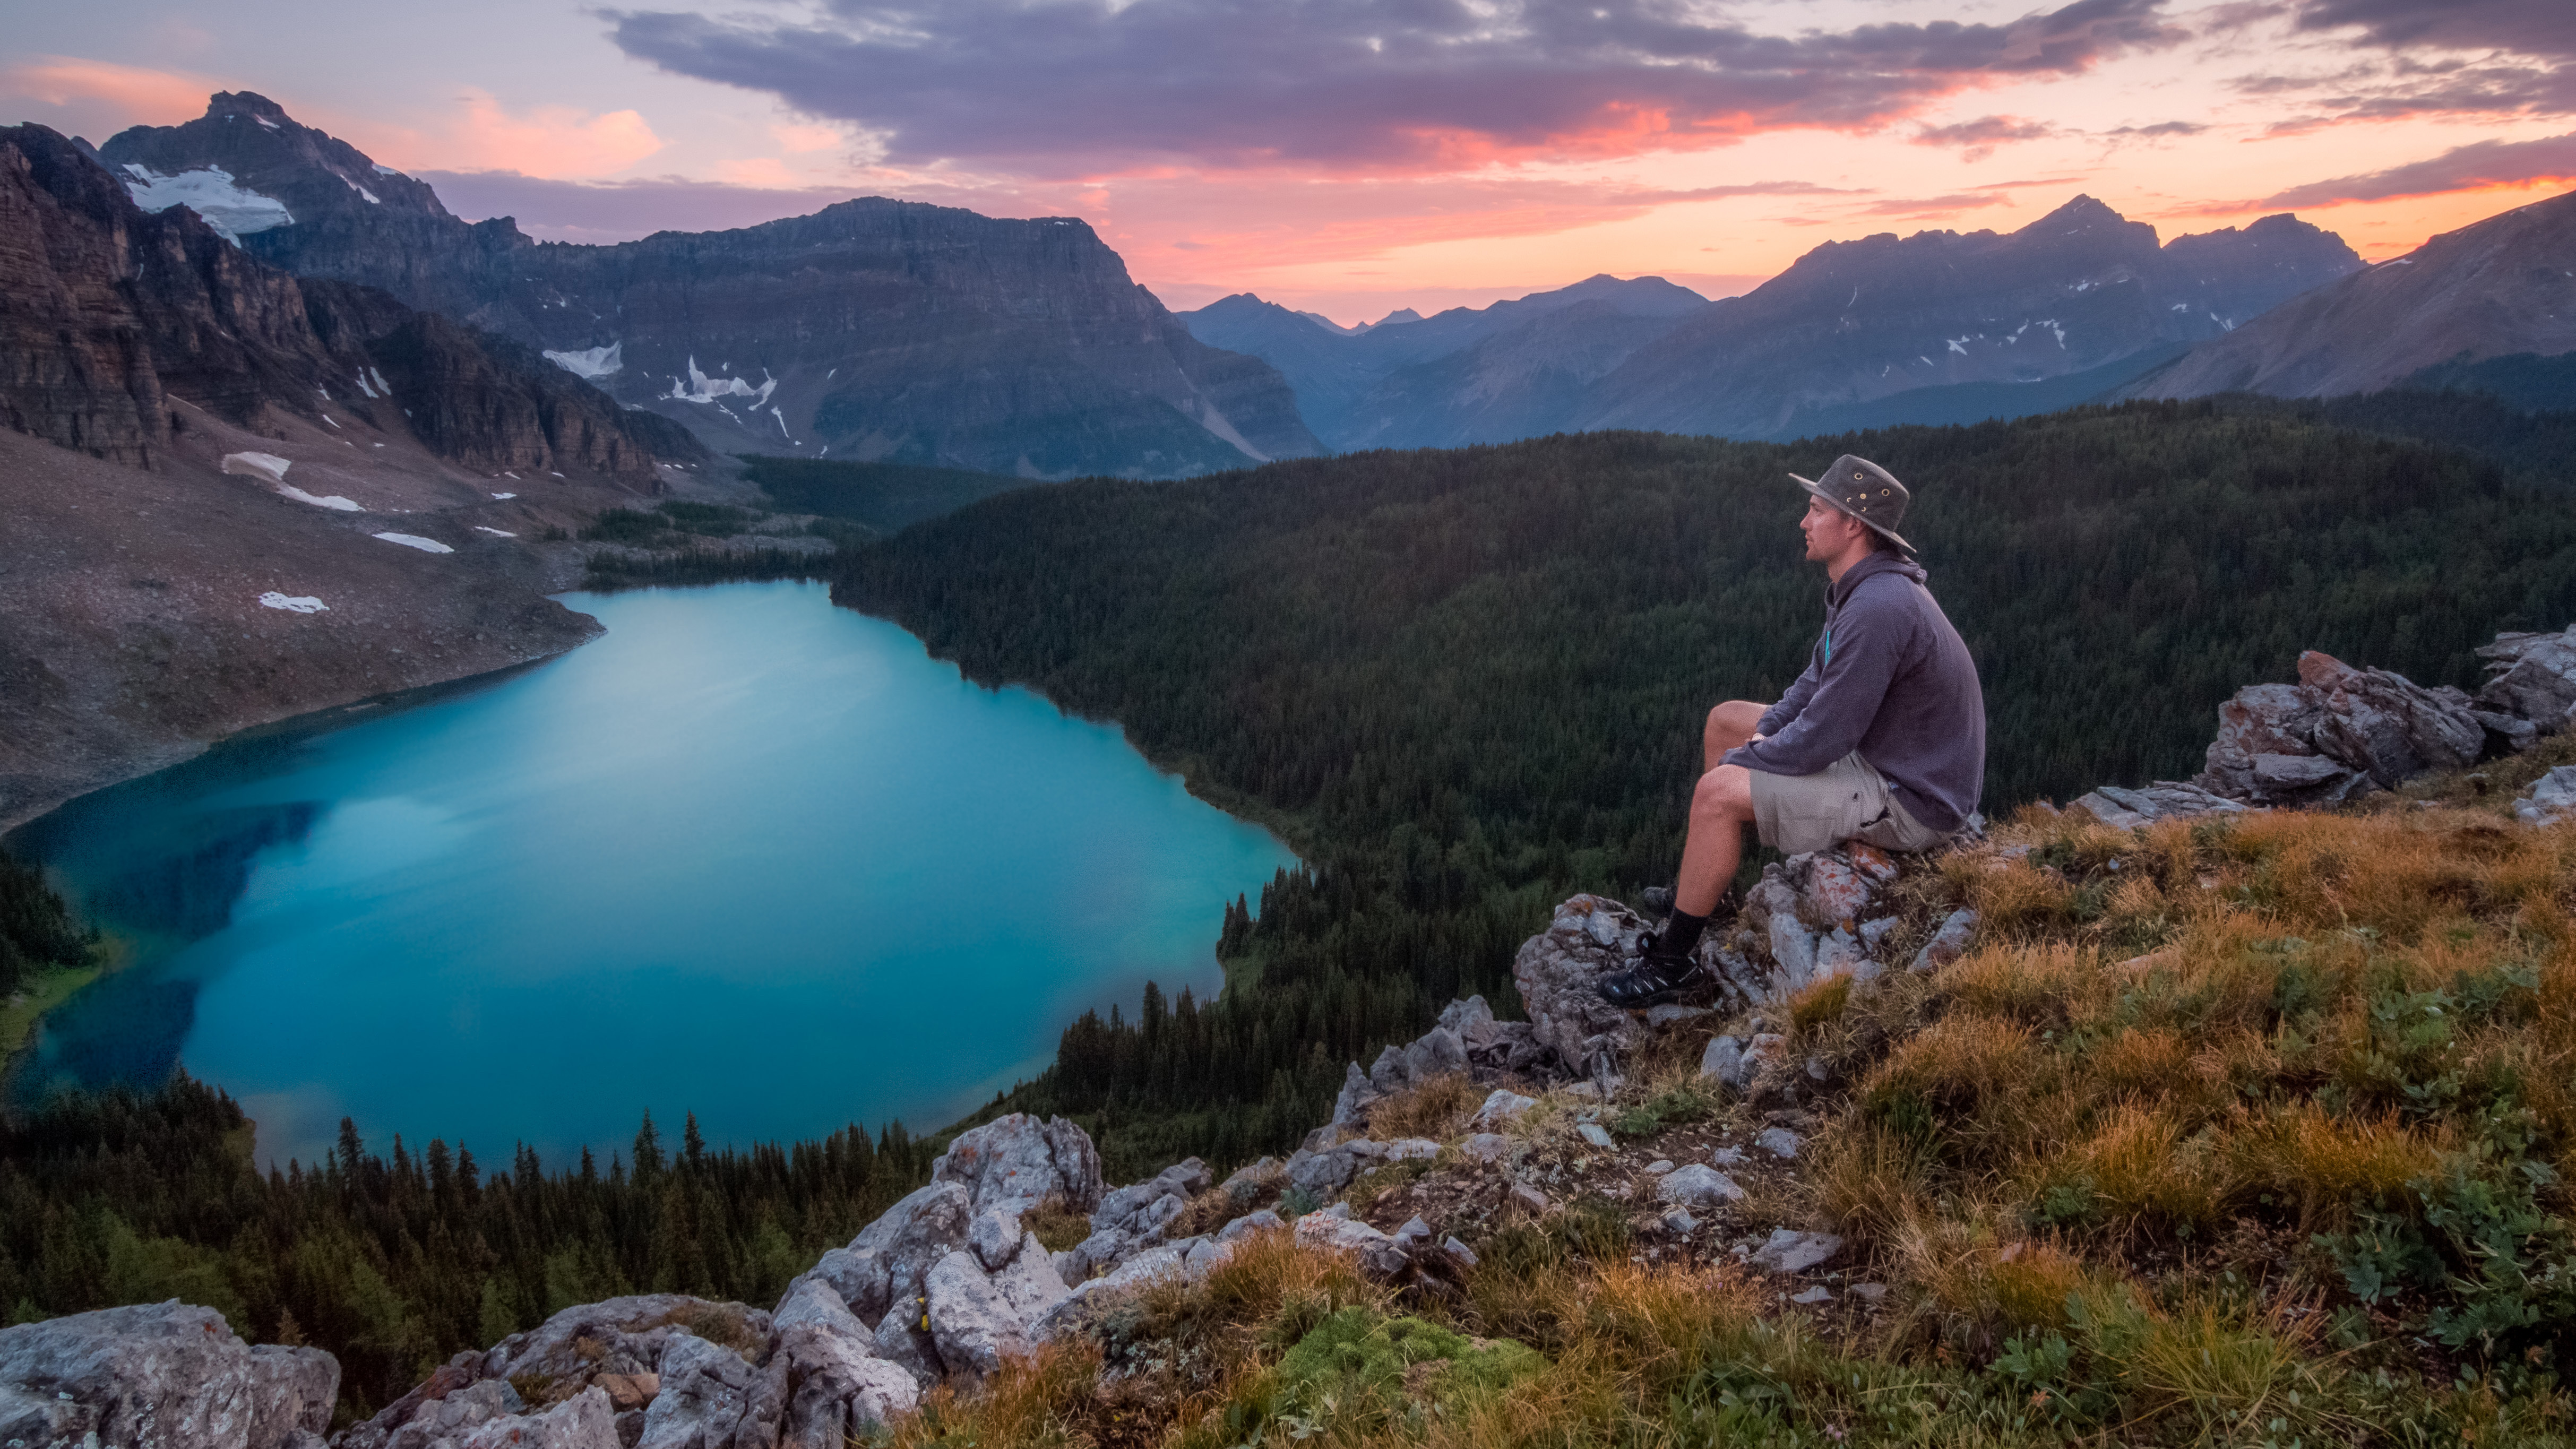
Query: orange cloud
column 555, row 142
column 150, row 96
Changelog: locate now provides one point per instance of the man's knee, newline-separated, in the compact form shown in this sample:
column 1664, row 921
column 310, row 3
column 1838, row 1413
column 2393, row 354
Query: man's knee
column 1725, row 793
column 1731, row 724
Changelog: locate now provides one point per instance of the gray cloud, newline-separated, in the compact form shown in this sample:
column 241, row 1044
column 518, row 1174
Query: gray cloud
column 2159, row 130
column 2525, row 27
column 1976, row 140
column 2481, row 163
column 1077, row 86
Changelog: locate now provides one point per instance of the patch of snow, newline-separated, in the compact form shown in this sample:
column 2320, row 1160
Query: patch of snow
column 827, row 375
column 382, row 386
column 363, row 387
column 293, row 603
column 497, row 532
column 590, row 362
column 268, row 465
column 2059, row 328
column 782, row 425
column 372, row 199
column 265, row 121
column 551, row 473
column 326, row 393
column 2223, row 324
column 328, row 500
column 414, row 540
column 513, row 477
column 210, row 193
column 384, row 170
column 326, row 417
column 1958, row 345
column 505, row 495
column 701, row 388
column 2182, row 306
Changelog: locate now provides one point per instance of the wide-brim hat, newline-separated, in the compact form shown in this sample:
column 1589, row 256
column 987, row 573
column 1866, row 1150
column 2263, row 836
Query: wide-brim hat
column 1867, row 492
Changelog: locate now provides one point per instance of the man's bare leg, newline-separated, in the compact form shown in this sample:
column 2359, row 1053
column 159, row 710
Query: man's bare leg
column 1721, row 807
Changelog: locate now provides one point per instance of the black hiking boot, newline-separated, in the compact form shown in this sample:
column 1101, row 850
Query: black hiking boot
column 1659, row 976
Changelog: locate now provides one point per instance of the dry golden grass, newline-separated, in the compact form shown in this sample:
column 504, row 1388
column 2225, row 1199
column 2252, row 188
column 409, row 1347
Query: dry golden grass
column 1819, row 1003
column 1437, row 1109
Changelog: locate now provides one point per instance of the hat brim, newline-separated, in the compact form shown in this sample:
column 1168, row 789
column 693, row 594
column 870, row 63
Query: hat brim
column 1891, row 535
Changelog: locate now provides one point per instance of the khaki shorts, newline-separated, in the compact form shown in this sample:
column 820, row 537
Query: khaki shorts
column 1846, row 800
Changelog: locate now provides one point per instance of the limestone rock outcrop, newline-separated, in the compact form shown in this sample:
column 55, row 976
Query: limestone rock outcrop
column 2339, row 732
column 158, row 1376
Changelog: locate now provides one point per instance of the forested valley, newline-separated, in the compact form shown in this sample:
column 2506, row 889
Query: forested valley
column 1464, row 684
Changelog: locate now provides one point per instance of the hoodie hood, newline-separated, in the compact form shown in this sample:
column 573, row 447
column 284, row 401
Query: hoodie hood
column 1869, row 568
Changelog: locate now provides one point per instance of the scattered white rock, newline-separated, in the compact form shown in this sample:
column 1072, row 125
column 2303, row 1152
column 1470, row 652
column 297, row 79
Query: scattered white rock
column 1790, row 1251
column 1698, row 1186
column 1778, row 1141
column 505, row 495
column 332, row 501
column 1486, row 1147
column 1412, row 1149
column 1596, row 1134
column 1818, row 1294
column 265, row 465
column 2552, row 796
column 1949, row 943
column 1501, row 1107
column 413, row 540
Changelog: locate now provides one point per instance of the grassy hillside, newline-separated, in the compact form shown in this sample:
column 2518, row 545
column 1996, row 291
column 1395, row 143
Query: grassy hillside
column 1467, row 683
column 2250, row 1133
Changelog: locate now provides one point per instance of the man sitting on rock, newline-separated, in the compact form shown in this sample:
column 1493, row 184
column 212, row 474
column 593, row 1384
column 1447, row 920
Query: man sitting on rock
column 1882, row 739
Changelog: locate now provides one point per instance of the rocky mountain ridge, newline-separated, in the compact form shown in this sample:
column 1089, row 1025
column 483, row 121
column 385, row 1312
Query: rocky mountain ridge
column 1857, row 322
column 873, row 329
column 960, row 1285
column 2497, row 287
column 229, row 496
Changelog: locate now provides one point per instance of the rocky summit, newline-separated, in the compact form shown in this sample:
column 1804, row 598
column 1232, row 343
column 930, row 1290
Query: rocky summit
column 871, row 330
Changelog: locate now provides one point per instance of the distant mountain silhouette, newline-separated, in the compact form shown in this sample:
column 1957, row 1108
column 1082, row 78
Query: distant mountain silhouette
column 1364, row 389
column 873, row 329
column 2498, row 287
column 1853, row 323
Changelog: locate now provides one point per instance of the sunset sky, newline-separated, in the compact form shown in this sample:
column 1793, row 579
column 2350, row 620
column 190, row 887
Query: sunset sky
column 1352, row 157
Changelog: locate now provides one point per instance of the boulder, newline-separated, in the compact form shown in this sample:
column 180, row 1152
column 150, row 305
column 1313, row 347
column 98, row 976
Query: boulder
column 1134, row 1218
column 2130, row 809
column 1723, row 1061
column 1019, row 1160
column 969, row 1319
column 2552, row 797
column 2531, row 678
column 1412, row 1149
column 706, row 1400
column 810, row 1303
column 1251, row 1180
column 903, row 1339
column 1356, row 1094
column 1501, row 1106
column 584, row 1421
column 625, row 1391
column 1589, row 937
column 858, row 1279
column 1698, row 1186
column 1379, row 1254
column 619, row 1336
column 162, row 1374
column 1486, row 1148
column 836, row 1389
column 1840, row 953
column 1778, row 1141
column 1387, row 1074
column 1438, row 1052
column 1950, row 942
column 995, row 1236
column 926, row 1226
column 2338, row 732
column 446, row 1422
column 1459, row 1016
column 1247, row 1224
column 1790, row 1251
column 1835, row 893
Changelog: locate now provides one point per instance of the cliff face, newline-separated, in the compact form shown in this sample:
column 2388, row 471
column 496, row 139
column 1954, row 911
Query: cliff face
column 2502, row 286
column 873, row 329
column 109, row 313
column 1852, row 322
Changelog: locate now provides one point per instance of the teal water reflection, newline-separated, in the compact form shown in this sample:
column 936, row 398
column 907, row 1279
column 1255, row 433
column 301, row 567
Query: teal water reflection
column 747, row 855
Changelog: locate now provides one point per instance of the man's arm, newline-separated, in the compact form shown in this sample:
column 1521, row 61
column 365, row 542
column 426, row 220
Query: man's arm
column 1839, row 709
column 1792, row 702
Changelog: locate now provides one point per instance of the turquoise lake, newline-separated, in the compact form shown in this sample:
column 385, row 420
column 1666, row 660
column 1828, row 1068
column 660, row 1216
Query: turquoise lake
column 747, row 855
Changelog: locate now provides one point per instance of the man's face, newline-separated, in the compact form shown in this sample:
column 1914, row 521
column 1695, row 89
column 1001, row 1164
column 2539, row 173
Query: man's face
column 1828, row 529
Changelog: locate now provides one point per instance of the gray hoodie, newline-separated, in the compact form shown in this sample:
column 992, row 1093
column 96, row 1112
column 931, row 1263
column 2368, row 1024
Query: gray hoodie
column 1891, row 679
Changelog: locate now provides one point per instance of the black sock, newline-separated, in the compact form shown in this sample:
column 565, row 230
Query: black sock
column 1680, row 933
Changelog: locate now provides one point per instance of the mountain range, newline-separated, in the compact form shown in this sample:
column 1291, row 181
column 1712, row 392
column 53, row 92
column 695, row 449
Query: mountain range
column 1854, row 334
column 2492, row 289
column 873, row 329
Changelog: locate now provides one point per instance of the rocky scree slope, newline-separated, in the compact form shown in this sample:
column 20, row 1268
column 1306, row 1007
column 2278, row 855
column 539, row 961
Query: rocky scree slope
column 1727, row 1145
column 873, row 329
column 195, row 483
column 1854, row 322
column 2501, row 286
